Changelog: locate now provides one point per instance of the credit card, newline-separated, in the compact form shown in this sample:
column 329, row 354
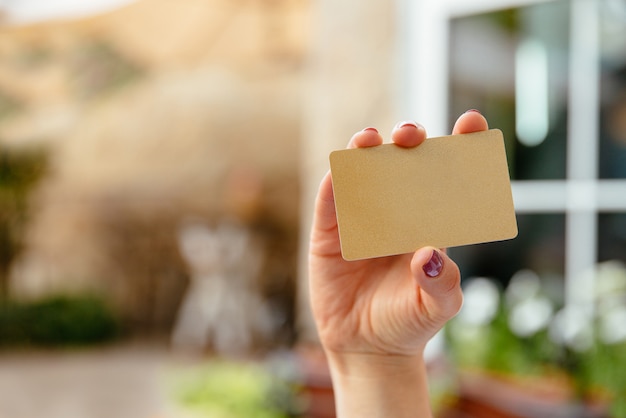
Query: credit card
column 449, row 191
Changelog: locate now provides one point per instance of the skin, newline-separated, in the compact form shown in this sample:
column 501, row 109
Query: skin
column 374, row 317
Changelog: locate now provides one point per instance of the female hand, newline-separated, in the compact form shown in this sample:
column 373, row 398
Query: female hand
column 375, row 316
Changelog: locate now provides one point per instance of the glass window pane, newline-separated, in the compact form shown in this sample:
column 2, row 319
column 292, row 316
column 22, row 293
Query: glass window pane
column 512, row 66
column 613, row 90
column 540, row 247
column 612, row 237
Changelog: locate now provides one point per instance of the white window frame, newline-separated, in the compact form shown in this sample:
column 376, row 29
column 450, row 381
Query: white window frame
column 581, row 195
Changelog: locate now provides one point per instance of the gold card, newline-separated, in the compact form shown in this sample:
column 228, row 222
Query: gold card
column 449, row 191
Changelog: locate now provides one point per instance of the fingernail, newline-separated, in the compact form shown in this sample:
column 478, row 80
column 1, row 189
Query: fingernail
column 370, row 129
column 406, row 123
column 473, row 111
column 434, row 266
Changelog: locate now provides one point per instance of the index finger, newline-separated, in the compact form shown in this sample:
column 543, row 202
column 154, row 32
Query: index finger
column 470, row 121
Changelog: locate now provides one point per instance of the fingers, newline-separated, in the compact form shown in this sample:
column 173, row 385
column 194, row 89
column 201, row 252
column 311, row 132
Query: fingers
column 368, row 137
column 405, row 134
column 440, row 282
column 408, row 134
column 470, row 121
column 324, row 214
column 411, row 134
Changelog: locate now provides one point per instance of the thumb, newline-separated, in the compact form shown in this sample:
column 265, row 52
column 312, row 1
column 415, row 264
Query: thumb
column 439, row 280
column 324, row 238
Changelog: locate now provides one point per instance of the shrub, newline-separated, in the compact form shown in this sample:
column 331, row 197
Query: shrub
column 57, row 321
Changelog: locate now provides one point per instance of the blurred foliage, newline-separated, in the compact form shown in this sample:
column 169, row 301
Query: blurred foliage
column 229, row 389
column 148, row 278
column 498, row 349
column 592, row 372
column 601, row 369
column 20, row 170
column 508, row 19
column 8, row 105
column 56, row 322
column 98, row 68
column 33, row 57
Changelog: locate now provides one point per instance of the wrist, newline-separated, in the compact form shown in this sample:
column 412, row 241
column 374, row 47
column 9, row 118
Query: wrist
column 378, row 385
column 373, row 365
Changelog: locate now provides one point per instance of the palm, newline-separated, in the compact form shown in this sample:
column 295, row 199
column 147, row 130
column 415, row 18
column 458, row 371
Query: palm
column 351, row 301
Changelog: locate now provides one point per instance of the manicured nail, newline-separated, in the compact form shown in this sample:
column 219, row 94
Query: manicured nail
column 370, row 129
column 434, row 266
column 473, row 111
column 406, row 123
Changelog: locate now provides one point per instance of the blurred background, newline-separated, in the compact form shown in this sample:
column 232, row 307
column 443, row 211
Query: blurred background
column 158, row 163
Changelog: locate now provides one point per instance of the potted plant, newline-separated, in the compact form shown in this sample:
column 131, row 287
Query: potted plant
column 521, row 353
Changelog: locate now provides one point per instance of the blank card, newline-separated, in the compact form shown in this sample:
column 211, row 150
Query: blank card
column 449, row 191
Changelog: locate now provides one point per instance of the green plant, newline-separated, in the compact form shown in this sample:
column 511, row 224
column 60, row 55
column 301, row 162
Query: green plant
column 225, row 389
column 57, row 321
column 599, row 371
column 20, row 171
column 519, row 332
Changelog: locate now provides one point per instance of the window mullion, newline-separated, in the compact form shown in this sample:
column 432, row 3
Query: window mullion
column 582, row 153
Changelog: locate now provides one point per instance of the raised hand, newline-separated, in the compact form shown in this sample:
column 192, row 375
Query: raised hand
column 375, row 316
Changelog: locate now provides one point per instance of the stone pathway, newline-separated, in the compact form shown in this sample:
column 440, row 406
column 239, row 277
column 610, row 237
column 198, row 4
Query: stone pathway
column 120, row 382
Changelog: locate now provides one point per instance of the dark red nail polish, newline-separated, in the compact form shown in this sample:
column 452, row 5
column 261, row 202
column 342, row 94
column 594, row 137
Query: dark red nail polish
column 370, row 129
column 434, row 266
column 474, row 111
column 406, row 123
